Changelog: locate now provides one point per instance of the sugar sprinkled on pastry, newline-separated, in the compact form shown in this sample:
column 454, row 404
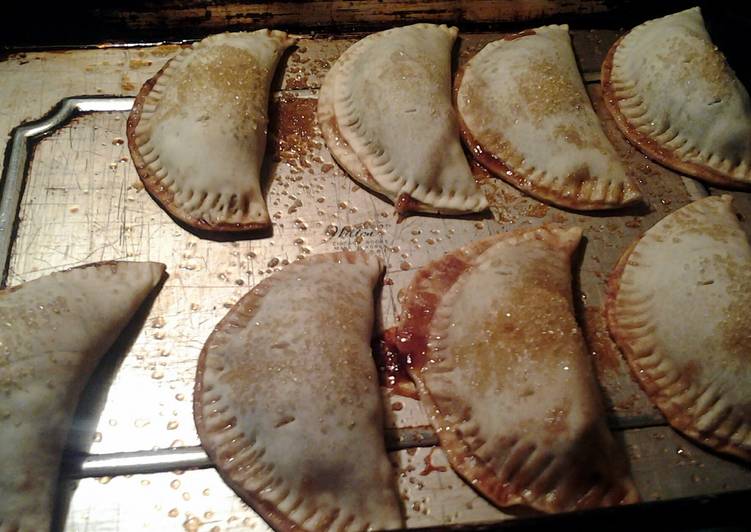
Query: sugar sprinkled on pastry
column 53, row 332
column 386, row 115
column 526, row 116
column 287, row 402
column 503, row 373
column 673, row 95
column 678, row 309
column 197, row 132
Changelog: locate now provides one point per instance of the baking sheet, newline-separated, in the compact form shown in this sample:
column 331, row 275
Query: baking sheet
column 82, row 202
column 663, row 464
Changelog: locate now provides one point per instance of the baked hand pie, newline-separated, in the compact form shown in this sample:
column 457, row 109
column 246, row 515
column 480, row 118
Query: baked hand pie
column 197, row 132
column 53, row 332
column 386, row 115
column 678, row 309
column 287, row 400
column 674, row 96
column 503, row 373
column 526, row 116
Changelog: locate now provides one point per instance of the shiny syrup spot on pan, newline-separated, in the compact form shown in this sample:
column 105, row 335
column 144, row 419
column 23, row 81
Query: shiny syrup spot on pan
column 429, row 467
column 392, row 366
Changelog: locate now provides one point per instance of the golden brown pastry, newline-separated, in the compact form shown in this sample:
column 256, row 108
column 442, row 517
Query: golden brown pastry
column 386, row 115
column 53, row 332
column 287, row 402
column 197, row 132
column 677, row 308
column 674, row 96
column 503, row 373
column 526, row 116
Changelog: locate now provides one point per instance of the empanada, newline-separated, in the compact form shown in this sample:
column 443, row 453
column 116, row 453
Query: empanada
column 502, row 370
column 678, row 309
column 287, row 402
column 526, row 116
column 674, row 96
column 53, row 331
column 385, row 113
column 197, row 132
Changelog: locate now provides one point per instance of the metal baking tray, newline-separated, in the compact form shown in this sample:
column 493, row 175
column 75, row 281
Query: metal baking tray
column 70, row 195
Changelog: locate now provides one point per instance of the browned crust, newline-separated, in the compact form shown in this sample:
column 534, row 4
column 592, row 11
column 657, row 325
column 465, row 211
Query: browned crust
column 650, row 147
column 490, row 161
column 268, row 511
column 466, row 464
column 161, row 194
column 462, row 460
column 336, row 142
column 403, row 204
column 412, row 332
column 334, row 139
column 519, row 35
column 338, row 145
column 675, row 415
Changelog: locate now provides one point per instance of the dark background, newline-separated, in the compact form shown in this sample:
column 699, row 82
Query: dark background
column 76, row 23
column 41, row 25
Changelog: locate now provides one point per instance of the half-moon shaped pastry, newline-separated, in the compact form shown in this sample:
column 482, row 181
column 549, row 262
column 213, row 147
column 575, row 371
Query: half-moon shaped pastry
column 526, row 116
column 678, row 309
column 674, row 96
column 197, row 132
column 287, row 402
column 53, row 332
column 503, row 372
column 385, row 113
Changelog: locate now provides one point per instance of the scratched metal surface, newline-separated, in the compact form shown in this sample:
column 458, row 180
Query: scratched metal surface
column 663, row 464
column 83, row 202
